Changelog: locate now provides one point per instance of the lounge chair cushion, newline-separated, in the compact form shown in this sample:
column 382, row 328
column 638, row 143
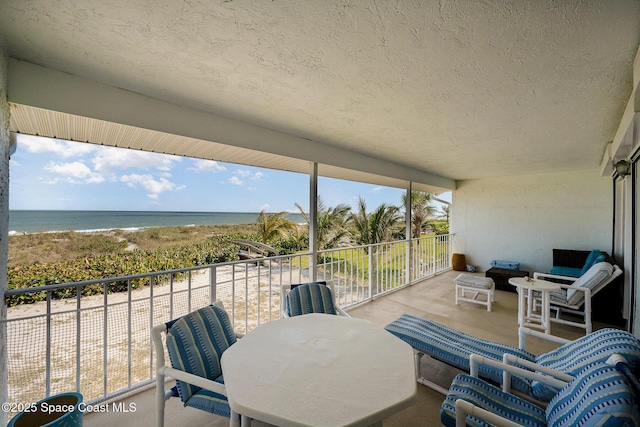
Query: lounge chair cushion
column 598, row 396
column 454, row 347
column 486, row 396
column 573, row 357
column 195, row 344
column 308, row 298
column 595, row 276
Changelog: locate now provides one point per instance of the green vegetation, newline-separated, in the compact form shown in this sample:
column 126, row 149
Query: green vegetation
column 272, row 226
column 421, row 209
column 53, row 258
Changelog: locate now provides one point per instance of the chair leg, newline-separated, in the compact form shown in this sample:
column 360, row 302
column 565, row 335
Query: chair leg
column 417, row 359
column 234, row 419
column 587, row 316
column 160, row 399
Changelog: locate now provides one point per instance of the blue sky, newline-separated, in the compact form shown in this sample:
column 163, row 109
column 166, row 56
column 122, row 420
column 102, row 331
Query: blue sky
column 62, row 175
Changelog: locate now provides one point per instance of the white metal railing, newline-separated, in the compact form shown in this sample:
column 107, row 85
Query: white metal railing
column 99, row 345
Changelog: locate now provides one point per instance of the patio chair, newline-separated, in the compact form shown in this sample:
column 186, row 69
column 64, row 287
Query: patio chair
column 576, row 297
column 195, row 344
column 598, row 395
column 305, row 298
column 455, row 348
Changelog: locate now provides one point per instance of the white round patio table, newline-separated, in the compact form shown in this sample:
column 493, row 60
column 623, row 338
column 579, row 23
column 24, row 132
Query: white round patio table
column 319, row 370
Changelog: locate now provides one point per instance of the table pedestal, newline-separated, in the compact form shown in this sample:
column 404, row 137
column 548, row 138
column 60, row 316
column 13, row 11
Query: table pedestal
column 526, row 316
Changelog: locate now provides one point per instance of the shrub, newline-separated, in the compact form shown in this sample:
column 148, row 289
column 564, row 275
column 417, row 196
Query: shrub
column 213, row 250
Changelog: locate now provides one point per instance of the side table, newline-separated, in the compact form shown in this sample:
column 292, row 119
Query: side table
column 526, row 318
column 501, row 277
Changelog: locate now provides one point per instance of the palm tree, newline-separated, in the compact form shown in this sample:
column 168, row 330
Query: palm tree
column 271, row 226
column 421, row 209
column 372, row 228
column 446, row 211
column 376, row 227
column 331, row 224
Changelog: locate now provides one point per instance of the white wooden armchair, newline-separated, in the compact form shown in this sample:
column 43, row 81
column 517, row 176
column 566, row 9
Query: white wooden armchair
column 576, row 297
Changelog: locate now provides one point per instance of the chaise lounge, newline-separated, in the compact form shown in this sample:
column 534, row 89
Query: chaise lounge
column 599, row 395
column 455, row 348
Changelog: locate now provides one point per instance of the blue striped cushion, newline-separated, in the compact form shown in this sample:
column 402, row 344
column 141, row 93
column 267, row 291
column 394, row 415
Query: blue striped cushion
column 210, row 401
column 310, row 298
column 598, row 396
column 572, row 357
column 490, row 398
column 593, row 279
column 454, row 347
column 195, row 344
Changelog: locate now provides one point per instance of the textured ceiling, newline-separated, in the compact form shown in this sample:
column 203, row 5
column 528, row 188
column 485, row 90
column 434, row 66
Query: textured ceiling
column 461, row 89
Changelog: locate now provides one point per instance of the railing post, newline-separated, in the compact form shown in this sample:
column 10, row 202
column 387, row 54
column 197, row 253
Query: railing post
column 213, row 280
column 434, row 249
column 371, row 272
column 409, row 262
column 48, row 348
column 408, row 235
column 313, row 222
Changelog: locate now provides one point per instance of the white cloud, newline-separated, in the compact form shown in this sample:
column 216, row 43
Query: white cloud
column 108, row 159
column 243, row 173
column 152, row 186
column 65, row 149
column 265, row 207
column 75, row 173
column 258, row 176
column 235, row 180
column 376, row 190
column 201, row 165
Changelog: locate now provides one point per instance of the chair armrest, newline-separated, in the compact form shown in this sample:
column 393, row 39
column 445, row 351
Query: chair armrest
column 551, row 374
column 550, row 377
column 571, row 286
column 523, row 332
column 464, row 408
column 193, row 379
column 543, row 276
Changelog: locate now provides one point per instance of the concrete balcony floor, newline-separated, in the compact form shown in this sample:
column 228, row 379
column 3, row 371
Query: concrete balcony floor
column 433, row 299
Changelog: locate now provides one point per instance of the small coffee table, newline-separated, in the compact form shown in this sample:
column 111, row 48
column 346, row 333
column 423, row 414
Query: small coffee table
column 526, row 317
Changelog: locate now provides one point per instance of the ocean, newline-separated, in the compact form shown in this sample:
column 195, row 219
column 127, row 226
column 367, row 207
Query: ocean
column 33, row 221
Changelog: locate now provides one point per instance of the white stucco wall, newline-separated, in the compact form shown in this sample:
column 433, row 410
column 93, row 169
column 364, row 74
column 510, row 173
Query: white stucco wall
column 522, row 218
column 4, row 224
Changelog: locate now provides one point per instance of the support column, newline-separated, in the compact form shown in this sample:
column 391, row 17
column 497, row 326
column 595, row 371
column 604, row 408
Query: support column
column 313, row 221
column 407, row 219
column 4, row 228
